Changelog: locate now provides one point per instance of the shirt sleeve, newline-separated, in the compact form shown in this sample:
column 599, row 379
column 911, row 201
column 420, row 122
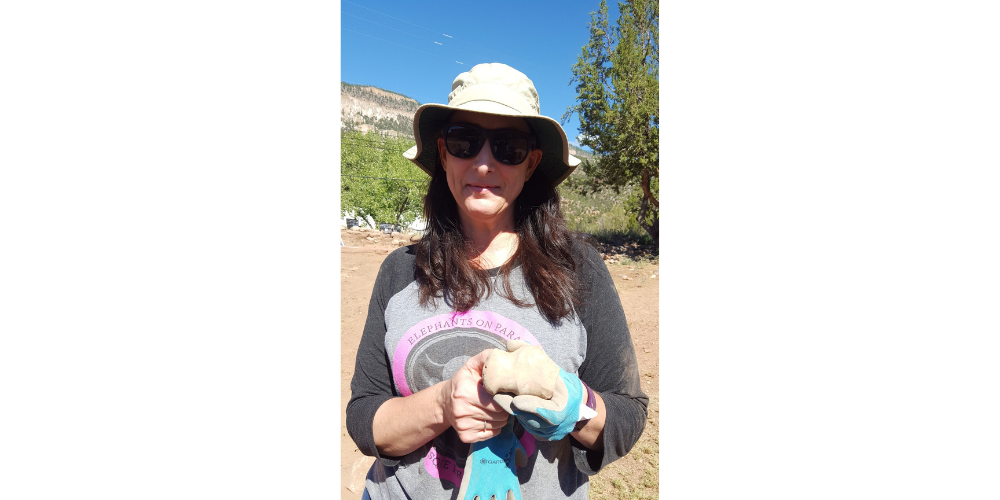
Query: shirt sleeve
column 371, row 385
column 610, row 367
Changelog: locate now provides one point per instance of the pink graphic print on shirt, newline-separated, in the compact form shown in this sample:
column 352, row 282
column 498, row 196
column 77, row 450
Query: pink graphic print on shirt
column 494, row 329
column 429, row 338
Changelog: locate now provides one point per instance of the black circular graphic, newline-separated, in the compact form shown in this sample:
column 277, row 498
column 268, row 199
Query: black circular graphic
column 437, row 357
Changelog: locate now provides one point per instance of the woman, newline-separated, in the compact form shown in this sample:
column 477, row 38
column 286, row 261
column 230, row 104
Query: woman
column 496, row 264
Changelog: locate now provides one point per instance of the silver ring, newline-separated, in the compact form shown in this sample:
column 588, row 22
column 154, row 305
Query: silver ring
column 484, row 426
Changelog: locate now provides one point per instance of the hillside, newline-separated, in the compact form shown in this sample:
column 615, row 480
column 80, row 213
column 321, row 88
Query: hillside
column 368, row 109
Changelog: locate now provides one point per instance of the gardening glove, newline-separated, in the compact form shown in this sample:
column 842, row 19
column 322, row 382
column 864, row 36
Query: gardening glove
column 490, row 470
column 529, row 385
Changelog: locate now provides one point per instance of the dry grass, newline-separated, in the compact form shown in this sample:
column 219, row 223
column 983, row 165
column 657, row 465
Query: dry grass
column 601, row 213
column 635, row 476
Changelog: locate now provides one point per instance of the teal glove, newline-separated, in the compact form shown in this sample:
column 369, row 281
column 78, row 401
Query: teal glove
column 532, row 387
column 528, row 384
column 490, row 470
column 551, row 419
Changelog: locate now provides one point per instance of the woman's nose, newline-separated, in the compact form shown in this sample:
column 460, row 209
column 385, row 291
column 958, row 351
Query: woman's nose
column 484, row 159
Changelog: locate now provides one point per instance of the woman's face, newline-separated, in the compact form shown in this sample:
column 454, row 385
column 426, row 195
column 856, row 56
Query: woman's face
column 483, row 187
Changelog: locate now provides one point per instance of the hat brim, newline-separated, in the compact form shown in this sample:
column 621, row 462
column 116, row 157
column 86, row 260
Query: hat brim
column 556, row 164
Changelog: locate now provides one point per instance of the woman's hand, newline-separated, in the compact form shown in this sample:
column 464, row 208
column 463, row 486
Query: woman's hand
column 468, row 408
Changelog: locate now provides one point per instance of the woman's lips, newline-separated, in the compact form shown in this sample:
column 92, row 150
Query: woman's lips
column 482, row 187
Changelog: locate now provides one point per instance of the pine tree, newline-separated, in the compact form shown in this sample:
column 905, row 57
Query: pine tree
column 618, row 99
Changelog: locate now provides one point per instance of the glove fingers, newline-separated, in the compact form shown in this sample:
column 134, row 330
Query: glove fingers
column 520, row 456
column 504, row 400
column 531, row 404
column 464, row 487
column 513, row 345
column 527, row 404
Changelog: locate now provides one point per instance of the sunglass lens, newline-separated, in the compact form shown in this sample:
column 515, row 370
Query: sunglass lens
column 463, row 142
column 509, row 148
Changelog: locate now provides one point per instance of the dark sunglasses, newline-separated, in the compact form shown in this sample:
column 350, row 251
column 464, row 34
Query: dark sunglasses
column 509, row 147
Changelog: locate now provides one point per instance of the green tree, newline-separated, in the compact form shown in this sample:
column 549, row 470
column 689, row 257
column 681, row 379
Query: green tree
column 618, row 101
column 376, row 180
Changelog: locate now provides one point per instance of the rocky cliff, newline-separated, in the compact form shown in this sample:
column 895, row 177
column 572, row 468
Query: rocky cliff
column 368, row 109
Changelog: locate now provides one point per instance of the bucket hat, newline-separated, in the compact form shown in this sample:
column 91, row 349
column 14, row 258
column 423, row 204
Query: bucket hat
column 495, row 89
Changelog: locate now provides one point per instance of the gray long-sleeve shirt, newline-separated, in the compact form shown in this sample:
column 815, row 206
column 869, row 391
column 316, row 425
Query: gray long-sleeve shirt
column 406, row 347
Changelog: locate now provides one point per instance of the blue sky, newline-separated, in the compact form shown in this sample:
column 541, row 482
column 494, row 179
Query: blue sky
column 418, row 48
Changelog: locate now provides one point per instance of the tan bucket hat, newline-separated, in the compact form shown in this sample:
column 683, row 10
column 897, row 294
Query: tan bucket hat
column 495, row 89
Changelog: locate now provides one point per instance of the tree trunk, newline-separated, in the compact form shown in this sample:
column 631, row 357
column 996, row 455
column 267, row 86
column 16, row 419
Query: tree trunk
column 654, row 228
column 402, row 208
column 645, row 188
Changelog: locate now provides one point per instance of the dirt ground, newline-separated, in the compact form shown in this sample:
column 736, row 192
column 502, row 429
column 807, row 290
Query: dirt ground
column 634, row 476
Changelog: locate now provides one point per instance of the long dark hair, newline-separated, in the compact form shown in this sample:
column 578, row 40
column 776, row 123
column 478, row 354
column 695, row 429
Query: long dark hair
column 545, row 252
